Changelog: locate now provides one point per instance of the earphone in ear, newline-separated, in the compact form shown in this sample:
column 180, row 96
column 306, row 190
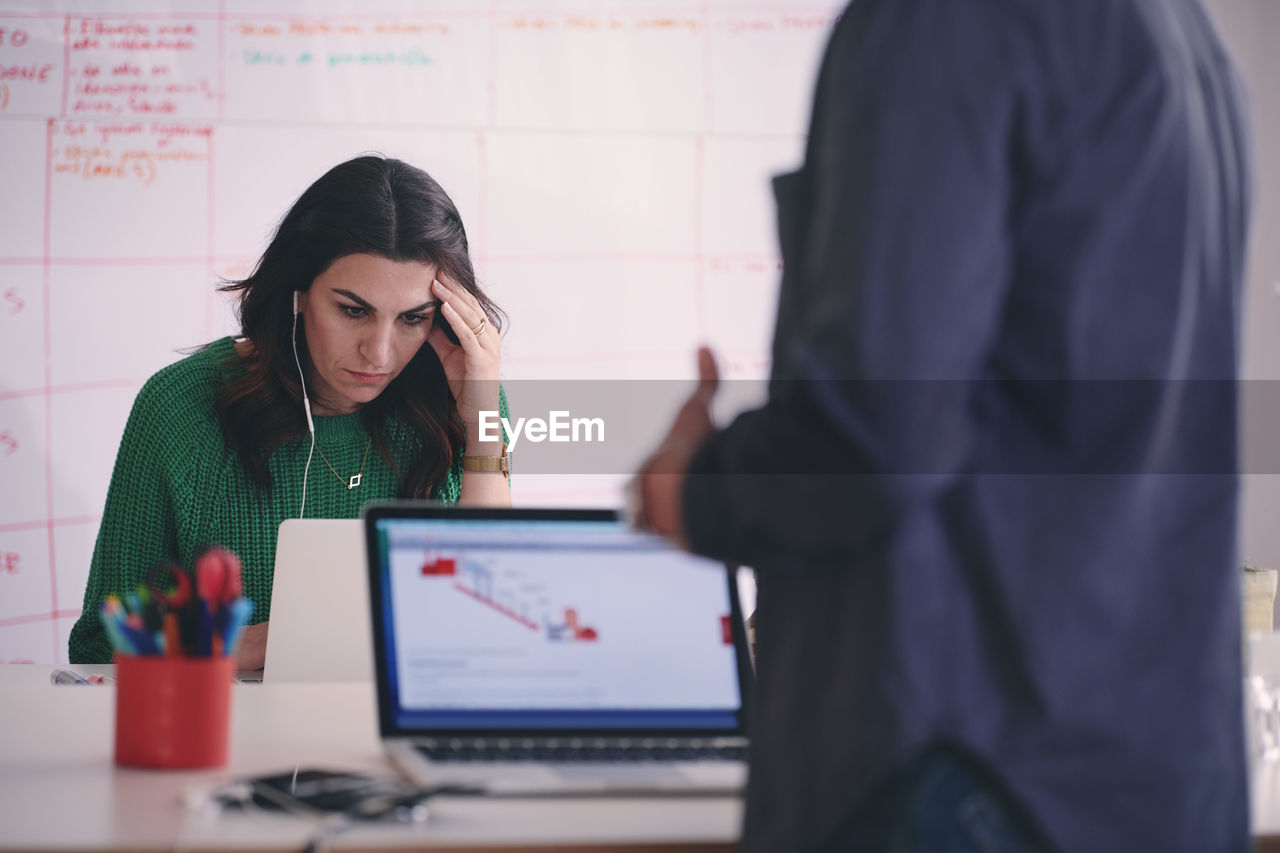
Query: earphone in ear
column 306, row 405
column 306, row 402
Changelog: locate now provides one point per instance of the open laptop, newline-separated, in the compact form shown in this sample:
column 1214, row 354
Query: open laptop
column 319, row 604
column 545, row 651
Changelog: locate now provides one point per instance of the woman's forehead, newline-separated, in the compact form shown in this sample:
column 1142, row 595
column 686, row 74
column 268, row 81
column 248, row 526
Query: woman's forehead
column 380, row 281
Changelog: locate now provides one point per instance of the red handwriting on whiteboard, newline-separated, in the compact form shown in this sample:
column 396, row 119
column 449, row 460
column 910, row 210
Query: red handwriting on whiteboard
column 589, row 23
column 807, row 22
column 750, row 368
column 140, row 79
column 235, row 269
column 15, row 301
column 758, row 264
column 19, row 72
column 9, row 562
column 125, row 91
column 132, row 151
column 32, row 71
column 8, row 444
column 13, row 38
column 135, row 35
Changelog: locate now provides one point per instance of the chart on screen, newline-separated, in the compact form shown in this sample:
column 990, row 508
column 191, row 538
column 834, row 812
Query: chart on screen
column 502, row 627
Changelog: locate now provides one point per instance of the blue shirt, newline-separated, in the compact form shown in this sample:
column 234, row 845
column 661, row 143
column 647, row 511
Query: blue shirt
column 992, row 496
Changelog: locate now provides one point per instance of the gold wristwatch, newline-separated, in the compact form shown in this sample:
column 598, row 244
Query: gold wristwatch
column 488, row 463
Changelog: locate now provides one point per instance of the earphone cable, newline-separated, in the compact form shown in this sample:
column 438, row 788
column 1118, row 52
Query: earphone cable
column 302, row 510
column 306, row 406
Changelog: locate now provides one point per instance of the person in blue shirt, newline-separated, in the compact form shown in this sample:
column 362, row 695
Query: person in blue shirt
column 992, row 496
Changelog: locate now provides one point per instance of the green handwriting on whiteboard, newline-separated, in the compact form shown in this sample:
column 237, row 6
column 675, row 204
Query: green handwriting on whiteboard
column 262, row 57
column 412, row 57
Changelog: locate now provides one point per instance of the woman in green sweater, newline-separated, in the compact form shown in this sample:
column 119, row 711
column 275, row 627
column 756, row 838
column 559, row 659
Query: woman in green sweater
column 328, row 401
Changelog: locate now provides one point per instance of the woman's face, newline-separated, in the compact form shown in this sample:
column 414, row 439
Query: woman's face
column 365, row 317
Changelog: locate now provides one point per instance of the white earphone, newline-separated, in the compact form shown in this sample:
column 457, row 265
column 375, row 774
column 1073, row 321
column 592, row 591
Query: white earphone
column 306, row 406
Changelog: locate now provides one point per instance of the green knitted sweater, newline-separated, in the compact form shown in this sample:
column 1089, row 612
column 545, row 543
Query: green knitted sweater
column 178, row 486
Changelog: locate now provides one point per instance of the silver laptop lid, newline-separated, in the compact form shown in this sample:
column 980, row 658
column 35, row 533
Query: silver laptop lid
column 548, row 623
column 319, row 604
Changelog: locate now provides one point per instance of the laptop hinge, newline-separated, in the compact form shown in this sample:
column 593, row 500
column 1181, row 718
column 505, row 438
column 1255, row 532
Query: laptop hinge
column 507, row 742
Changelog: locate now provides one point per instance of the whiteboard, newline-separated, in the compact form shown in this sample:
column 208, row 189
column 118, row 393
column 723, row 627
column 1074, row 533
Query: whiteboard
column 610, row 161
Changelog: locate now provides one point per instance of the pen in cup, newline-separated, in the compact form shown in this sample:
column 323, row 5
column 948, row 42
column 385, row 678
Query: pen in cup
column 177, row 615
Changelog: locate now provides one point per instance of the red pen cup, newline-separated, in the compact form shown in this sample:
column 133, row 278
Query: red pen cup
column 172, row 712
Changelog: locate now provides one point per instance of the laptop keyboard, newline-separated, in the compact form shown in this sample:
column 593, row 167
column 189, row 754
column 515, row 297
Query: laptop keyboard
column 581, row 750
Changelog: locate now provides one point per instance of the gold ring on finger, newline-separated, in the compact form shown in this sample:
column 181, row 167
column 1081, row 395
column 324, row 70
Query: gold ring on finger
column 480, row 327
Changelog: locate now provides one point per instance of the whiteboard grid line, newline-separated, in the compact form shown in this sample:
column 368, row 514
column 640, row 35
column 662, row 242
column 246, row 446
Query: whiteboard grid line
column 47, row 245
column 66, row 63
column 68, row 521
column 699, row 178
column 52, row 617
column 462, row 12
column 491, row 110
column 72, row 388
column 699, row 272
column 524, row 257
column 222, row 60
column 210, row 301
column 482, row 202
column 494, row 129
column 210, row 262
column 566, row 357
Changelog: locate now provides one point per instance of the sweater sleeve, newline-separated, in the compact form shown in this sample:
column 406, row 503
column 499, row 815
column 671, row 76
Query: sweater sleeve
column 138, row 527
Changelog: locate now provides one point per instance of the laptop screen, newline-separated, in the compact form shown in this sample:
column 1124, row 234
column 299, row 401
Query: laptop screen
column 543, row 621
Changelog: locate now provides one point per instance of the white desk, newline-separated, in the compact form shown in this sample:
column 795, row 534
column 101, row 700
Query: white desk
column 1264, row 784
column 59, row 788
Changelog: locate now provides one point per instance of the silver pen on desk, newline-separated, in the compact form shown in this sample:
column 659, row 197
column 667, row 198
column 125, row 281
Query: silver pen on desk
column 66, row 676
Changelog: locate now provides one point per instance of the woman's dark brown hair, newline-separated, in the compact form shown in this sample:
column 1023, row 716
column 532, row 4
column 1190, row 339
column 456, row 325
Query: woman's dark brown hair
column 370, row 205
